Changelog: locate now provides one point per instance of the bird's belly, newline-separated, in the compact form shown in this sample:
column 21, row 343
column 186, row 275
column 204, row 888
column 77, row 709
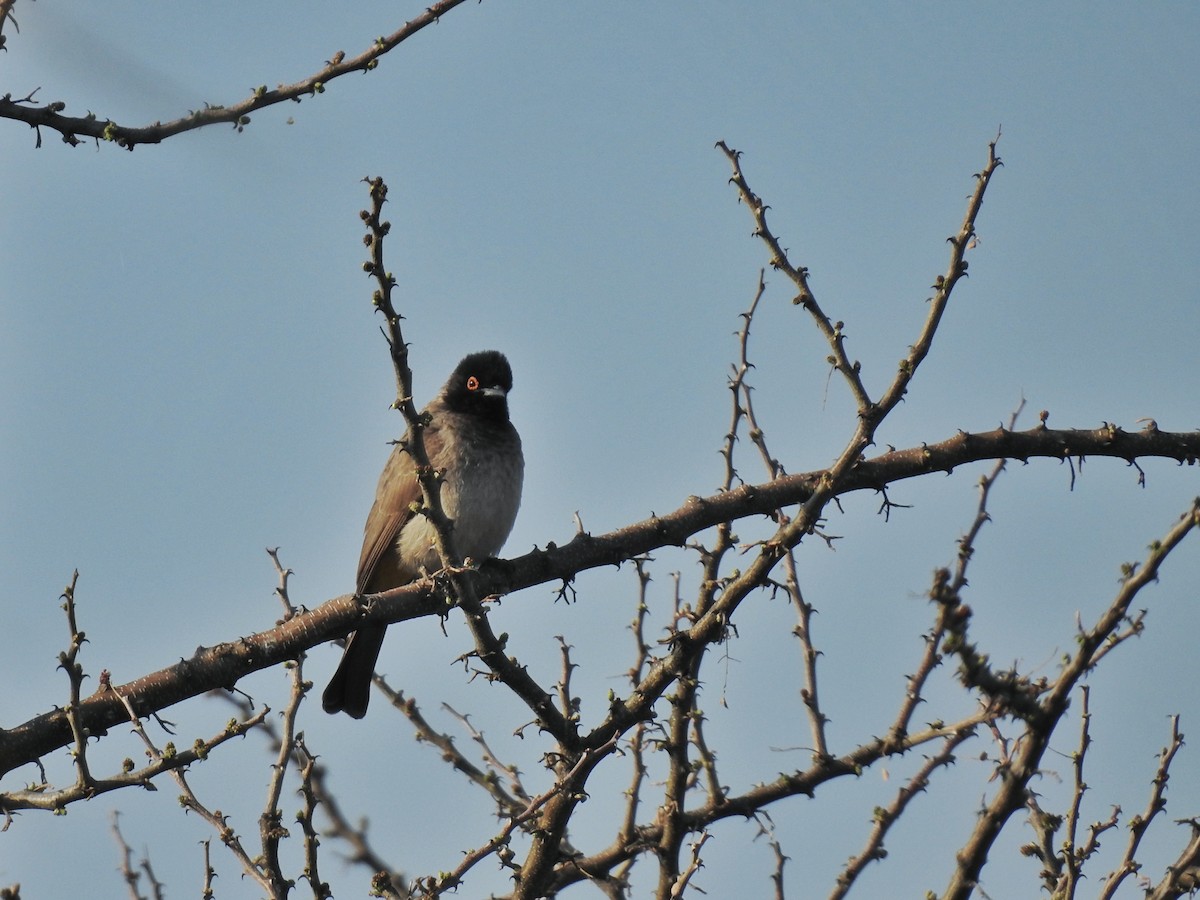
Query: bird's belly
column 482, row 499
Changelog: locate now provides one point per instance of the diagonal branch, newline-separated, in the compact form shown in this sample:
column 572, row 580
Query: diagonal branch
column 798, row 276
column 1024, row 764
column 73, row 128
column 755, row 799
column 221, row 666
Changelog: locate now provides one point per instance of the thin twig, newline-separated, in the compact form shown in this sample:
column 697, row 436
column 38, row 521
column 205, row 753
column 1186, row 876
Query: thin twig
column 1140, row 824
column 190, row 801
column 886, row 817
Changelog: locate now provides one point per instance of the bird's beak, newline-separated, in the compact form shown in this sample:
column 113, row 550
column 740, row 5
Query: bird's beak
column 494, row 391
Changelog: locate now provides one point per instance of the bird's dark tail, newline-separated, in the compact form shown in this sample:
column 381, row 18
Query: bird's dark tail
column 350, row 688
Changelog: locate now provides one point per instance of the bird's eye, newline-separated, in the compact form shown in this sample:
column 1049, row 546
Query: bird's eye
column 472, row 383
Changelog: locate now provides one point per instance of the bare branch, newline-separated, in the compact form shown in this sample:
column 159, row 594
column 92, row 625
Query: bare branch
column 1041, row 719
column 799, row 276
column 216, row 667
column 1183, row 875
column 886, row 817
column 188, row 800
column 74, row 128
column 315, row 790
column 128, row 872
column 1140, row 824
column 752, row 801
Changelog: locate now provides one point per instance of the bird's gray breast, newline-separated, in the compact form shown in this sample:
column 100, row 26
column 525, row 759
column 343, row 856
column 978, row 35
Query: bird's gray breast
column 483, row 470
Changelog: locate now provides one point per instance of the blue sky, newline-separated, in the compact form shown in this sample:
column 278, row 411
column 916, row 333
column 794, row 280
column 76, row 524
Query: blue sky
column 192, row 372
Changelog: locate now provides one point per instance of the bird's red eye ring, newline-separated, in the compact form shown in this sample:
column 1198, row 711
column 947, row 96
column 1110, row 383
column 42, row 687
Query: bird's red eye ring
column 472, row 383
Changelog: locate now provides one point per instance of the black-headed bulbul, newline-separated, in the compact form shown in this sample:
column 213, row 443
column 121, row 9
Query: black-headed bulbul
column 472, row 443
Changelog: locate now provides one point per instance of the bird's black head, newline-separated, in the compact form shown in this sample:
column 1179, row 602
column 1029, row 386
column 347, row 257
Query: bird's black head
column 480, row 386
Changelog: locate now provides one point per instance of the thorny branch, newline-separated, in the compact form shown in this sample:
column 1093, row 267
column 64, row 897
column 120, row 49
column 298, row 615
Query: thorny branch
column 1140, row 824
column 74, row 128
column 680, row 667
column 886, row 817
column 1064, row 861
column 661, row 710
column 214, row 818
column 720, row 598
column 743, row 403
column 316, row 792
column 213, row 668
column 132, row 876
column 1040, row 706
column 44, row 796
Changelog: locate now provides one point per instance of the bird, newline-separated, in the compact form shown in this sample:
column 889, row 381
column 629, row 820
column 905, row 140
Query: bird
column 470, row 440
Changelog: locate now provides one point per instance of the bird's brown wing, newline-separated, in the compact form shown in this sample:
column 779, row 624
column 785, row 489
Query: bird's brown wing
column 380, row 567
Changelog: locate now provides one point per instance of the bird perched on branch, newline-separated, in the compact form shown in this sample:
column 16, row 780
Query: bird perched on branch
column 471, row 442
